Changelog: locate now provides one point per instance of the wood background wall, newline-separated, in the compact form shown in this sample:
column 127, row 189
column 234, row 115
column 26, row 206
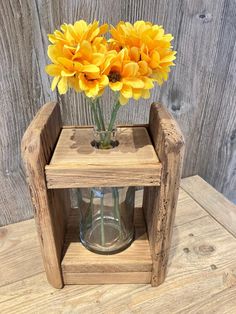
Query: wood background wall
column 201, row 91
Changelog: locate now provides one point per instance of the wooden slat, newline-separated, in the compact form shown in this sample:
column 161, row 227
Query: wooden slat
column 107, row 278
column 213, row 202
column 160, row 202
column 50, row 206
column 89, row 176
column 75, row 163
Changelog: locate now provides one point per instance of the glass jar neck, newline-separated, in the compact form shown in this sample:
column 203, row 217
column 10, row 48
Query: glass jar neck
column 105, row 139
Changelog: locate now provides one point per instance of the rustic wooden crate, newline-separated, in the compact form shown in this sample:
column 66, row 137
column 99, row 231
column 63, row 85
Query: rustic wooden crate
column 58, row 158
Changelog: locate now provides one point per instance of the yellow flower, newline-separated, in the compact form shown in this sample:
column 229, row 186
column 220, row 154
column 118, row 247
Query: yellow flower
column 136, row 56
column 77, row 53
column 145, row 42
column 128, row 77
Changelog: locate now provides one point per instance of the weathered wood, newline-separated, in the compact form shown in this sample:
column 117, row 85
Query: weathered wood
column 19, row 252
column 106, row 278
column 201, row 274
column 50, row 206
column 160, row 202
column 75, row 163
column 213, row 202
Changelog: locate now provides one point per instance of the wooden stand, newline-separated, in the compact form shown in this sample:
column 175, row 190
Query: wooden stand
column 58, row 158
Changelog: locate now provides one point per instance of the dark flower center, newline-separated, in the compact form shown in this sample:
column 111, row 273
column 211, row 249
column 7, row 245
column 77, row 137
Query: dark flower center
column 114, row 76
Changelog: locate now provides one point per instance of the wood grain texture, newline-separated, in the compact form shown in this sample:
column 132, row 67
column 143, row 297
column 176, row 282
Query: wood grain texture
column 201, row 91
column 75, row 163
column 51, row 207
column 201, row 275
column 214, row 203
column 160, row 203
column 19, row 252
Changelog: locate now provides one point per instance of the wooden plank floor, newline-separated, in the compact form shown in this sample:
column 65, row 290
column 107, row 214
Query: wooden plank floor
column 201, row 276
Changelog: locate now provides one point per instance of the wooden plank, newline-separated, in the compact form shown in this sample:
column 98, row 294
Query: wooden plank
column 19, row 252
column 74, row 148
column 75, row 163
column 201, row 277
column 107, row 176
column 223, row 302
column 50, row 206
column 160, row 202
column 212, row 201
column 107, row 278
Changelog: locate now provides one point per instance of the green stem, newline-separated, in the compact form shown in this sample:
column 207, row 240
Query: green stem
column 115, row 193
column 90, row 216
column 102, row 223
column 107, row 138
column 113, row 115
column 100, row 116
column 95, row 115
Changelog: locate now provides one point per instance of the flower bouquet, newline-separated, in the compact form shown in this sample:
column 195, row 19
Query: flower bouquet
column 129, row 63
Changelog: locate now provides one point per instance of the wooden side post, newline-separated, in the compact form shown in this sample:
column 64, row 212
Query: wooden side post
column 160, row 202
column 51, row 207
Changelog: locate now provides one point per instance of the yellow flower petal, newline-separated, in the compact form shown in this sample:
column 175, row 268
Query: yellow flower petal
column 86, row 48
column 93, row 92
column 80, row 27
column 126, row 91
column 155, row 59
column 98, row 58
column 74, row 82
column 101, row 91
column 130, row 70
column 103, row 29
column 104, row 81
column 53, row 53
column 123, row 100
column 148, row 83
column 91, row 68
column 134, row 54
column 62, row 85
column 67, row 73
column 168, row 58
column 137, row 92
column 145, row 94
column 134, row 82
column 53, row 69
column 54, row 82
column 68, row 64
column 116, row 86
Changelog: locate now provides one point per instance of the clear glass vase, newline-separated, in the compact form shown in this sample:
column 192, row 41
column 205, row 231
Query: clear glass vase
column 106, row 222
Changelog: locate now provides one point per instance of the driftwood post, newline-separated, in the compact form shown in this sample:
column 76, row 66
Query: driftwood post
column 160, row 202
column 50, row 206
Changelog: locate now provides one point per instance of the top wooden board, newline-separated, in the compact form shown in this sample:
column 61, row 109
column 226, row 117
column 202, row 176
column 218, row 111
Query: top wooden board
column 76, row 162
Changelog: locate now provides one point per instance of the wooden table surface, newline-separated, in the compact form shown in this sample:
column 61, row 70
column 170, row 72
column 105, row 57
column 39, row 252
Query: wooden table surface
column 201, row 276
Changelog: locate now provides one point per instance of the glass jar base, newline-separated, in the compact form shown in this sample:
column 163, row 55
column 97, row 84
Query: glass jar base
column 106, row 237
